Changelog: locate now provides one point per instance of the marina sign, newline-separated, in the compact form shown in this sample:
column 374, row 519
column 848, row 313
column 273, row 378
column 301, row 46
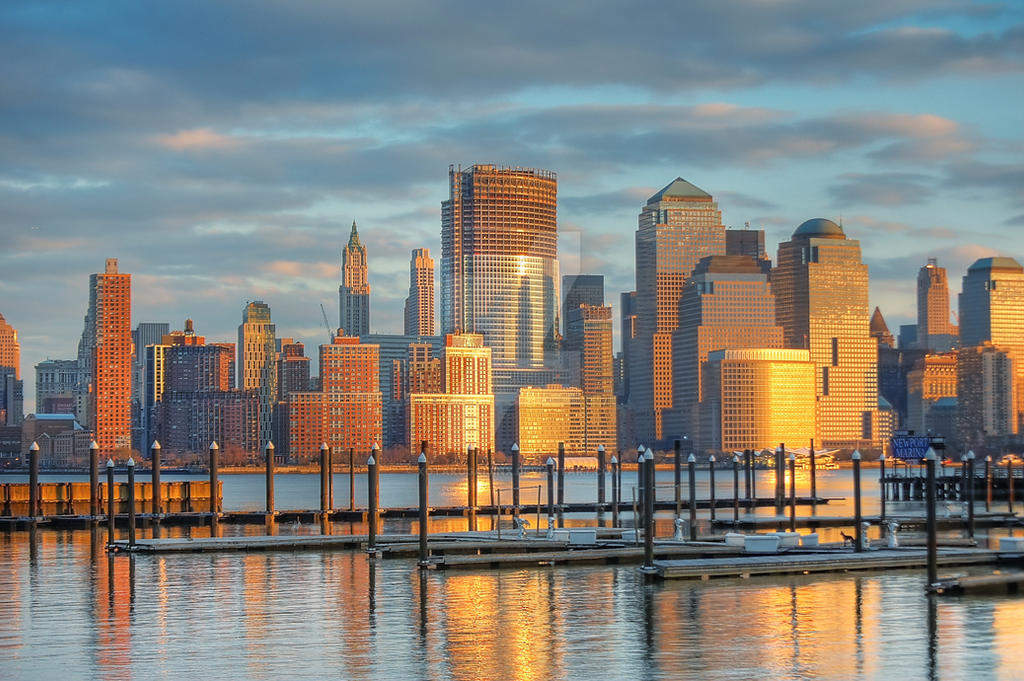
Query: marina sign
column 909, row 447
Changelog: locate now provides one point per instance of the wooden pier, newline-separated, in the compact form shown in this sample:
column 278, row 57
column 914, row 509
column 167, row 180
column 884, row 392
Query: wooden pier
column 807, row 561
column 996, row 584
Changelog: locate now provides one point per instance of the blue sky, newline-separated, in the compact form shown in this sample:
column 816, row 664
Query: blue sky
column 221, row 150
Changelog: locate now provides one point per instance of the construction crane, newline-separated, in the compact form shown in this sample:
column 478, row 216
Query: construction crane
column 327, row 325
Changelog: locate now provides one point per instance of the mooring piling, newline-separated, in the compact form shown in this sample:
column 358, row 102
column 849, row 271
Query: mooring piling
column 424, row 488
column 111, row 508
column 268, row 452
column 691, row 466
column 371, row 499
column 858, row 530
column 154, row 460
column 131, row 502
column 94, row 479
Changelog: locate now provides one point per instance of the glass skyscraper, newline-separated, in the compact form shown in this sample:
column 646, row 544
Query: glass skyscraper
column 821, row 302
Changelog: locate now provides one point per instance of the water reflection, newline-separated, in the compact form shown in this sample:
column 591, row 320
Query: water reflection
column 344, row 615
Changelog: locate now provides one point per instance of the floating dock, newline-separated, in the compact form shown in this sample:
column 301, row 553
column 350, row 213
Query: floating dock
column 807, row 561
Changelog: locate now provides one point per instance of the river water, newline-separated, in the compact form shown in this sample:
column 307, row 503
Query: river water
column 70, row 611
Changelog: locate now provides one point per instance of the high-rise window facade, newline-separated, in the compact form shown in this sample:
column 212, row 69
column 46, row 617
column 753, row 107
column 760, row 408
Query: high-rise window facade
column 105, row 359
column 992, row 311
column 499, row 272
column 257, row 366
column 419, row 306
column 676, row 228
column 821, row 302
column 354, row 292
column 935, row 330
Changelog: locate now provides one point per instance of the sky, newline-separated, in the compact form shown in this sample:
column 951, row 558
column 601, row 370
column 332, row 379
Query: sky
column 221, row 150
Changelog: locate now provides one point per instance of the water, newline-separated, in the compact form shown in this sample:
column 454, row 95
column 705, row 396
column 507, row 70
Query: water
column 68, row 611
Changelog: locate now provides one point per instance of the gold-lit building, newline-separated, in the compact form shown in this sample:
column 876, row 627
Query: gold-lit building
column 419, row 306
column 676, row 228
column 935, row 328
column 932, row 379
column 548, row 416
column 257, row 362
column 821, row 302
column 588, row 342
column 726, row 304
column 757, row 398
column 461, row 414
column 354, row 292
column 987, row 395
column 105, row 360
column 992, row 311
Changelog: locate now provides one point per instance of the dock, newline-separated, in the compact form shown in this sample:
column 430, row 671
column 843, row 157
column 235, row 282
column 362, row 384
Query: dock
column 807, row 561
column 996, row 584
column 600, row 554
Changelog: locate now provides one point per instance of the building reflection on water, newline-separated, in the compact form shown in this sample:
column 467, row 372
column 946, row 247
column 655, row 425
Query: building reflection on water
column 68, row 605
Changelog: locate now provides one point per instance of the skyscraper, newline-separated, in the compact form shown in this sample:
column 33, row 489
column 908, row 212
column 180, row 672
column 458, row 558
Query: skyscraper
column 726, row 304
column 10, row 350
column 821, row 302
column 578, row 289
column 987, row 397
column 499, row 274
column 354, row 292
column 419, row 306
column 992, row 310
column 935, row 330
column 588, row 336
column 461, row 415
column 256, row 365
column 11, row 386
column 105, row 360
column 143, row 335
column 757, row 398
column 676, row 228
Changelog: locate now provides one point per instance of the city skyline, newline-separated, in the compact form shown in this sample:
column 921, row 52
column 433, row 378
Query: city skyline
column 217, row 180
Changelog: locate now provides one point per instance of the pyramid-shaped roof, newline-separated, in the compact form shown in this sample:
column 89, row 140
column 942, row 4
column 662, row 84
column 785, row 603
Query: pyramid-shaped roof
column 679, row 189
column 878, row 326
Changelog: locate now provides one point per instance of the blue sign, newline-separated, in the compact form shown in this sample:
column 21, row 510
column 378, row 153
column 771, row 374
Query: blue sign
column 909, row 447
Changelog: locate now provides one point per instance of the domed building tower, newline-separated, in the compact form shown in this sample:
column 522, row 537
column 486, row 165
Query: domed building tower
column 821, row 291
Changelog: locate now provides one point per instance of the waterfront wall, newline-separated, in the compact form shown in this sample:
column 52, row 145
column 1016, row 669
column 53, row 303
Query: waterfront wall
column 72, row 498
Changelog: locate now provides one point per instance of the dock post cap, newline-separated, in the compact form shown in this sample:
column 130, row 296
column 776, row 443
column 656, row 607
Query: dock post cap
column 375, row 446
column 882, row 457
column 515, row 446
column 549, row 462
column 34, row 447
column 323, row 446
column 711, row 458
column 963, row 458
column 614, row 459
column 792, row 456
column 691, row 459
column 648, row 455
column 155, row 445
column 93, row 445
column 371, row 461
column 930, row 454
column 735, row 458
column 855, row 456
column 422, row 458
column 214, row 445
column 130, row 463
column 970, row 455
column 640, row 448
column 110, row 463
column 270, row 444
column 988, row 458
column 600, row 448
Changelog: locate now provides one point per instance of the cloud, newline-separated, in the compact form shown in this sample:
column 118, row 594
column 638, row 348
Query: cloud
column 199, row 139
column 881, row 189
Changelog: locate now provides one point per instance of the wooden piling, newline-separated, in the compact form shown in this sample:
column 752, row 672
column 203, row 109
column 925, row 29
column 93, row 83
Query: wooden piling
column 615, row 491
column 324, row 449
column 214, row 497
column 515, row 479
column 792, row 492
column 735, row 488
column 561, row 474
column 711, row 473
column 424, row 488
column 154, row 460
column 600, row 475
column 111, row 508
column 371, row 499
column 131, row 502
column 268, row 453
column 94, row 479
column 691, row 469
column 929, row 492
column 858, row 532
column 677, row 470
column 33, row 480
